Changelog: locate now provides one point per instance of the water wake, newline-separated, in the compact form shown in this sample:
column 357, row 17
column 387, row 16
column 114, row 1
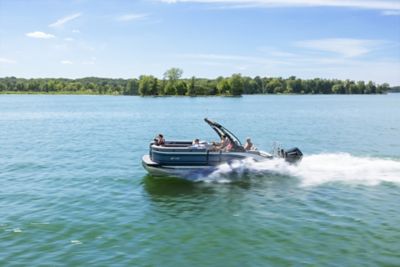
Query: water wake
column 316, row 169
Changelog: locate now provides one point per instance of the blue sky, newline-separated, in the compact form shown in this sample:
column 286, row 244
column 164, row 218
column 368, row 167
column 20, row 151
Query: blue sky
column 344, row 39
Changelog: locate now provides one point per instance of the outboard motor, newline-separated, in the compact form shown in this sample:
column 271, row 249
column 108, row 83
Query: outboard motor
column 292, row 155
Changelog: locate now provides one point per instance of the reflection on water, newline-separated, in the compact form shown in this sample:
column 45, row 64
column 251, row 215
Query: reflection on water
column 170, row 186
column 165, row 186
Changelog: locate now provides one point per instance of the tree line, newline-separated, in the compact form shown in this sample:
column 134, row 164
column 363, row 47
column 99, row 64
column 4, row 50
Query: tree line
column 173, row 84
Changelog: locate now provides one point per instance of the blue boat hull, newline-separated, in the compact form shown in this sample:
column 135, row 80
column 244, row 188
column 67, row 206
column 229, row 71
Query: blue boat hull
column 189, row 157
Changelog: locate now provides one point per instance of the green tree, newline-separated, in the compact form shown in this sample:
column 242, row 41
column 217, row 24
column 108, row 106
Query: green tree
column 272, row 85
column 181, row 88
column 154, row 86
column 370, row 88
column 258, row 85
column 383, row 88
column 248, row 85
column 353, row 89
column 147, row 85
column 224, row 87
column 236, row 84
column 173, row 74
column 191, row 90
column 132, row 87
column 170, row 89
column 293, row 85
column 338, row 89
column 361, row 87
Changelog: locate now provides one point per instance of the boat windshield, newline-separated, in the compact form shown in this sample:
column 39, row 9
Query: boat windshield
column 231, row 136
column 221, row 130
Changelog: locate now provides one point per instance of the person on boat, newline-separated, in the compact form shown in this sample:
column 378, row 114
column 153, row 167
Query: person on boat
column 222, row 145
column 226, row 144
column 249, row 145
column 159, row 140
column 228, row 147
column 196, row 144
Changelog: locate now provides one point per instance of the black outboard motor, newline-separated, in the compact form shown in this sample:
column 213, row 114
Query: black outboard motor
column 292, row 155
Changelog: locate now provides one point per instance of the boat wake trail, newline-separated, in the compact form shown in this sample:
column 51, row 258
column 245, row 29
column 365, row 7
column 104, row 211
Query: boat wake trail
column 316, row 169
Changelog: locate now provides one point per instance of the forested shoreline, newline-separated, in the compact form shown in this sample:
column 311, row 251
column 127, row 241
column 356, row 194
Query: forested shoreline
column 172, row 84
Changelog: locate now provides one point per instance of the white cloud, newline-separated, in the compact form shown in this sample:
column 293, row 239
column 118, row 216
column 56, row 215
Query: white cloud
column 60, row 22
column 66, row 62
column 342, row 46
column 69, row 39
column 40, row 35
column 76, row 31
column 7, row 61
column 130, row 17
column 366, row 4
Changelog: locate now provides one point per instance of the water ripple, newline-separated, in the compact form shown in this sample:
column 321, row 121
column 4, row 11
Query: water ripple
column 73, row 191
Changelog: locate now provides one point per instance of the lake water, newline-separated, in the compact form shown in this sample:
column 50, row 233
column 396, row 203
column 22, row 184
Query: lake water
column 73, row 191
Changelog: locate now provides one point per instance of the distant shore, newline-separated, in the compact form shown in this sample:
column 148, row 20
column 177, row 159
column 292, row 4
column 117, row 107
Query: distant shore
column 166, row 96
column 47, row 93
column 173, row 85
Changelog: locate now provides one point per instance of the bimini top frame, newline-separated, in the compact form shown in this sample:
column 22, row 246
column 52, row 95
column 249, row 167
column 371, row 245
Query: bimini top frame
column 221, row 130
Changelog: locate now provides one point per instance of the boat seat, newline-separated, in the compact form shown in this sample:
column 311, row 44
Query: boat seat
column 176, row 145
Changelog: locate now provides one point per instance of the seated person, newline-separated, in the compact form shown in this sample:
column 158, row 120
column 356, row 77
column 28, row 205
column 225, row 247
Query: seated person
column 159, row 140
column 249, row 145
column 228, row 147
column 225, row 144
column 213, row 146
column 196, row 144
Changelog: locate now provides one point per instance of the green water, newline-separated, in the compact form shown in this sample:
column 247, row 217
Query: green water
column 73, row 191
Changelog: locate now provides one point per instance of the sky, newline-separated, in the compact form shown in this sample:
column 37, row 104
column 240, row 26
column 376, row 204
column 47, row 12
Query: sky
column 334, row 39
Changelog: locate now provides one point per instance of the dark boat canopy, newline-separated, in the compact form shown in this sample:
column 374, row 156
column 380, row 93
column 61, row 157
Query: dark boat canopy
column 221, row 130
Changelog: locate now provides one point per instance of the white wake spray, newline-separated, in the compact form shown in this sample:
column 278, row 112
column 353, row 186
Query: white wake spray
column 318, row 169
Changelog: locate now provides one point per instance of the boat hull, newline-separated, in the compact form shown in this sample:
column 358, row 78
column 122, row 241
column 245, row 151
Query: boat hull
column 185, row 171
column 187, row 164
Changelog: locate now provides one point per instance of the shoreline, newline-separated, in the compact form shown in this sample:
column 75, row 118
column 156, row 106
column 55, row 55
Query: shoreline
column 165, row 96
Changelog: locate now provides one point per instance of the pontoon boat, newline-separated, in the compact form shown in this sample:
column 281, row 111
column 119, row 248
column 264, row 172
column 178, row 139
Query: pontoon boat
column 180, row 158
